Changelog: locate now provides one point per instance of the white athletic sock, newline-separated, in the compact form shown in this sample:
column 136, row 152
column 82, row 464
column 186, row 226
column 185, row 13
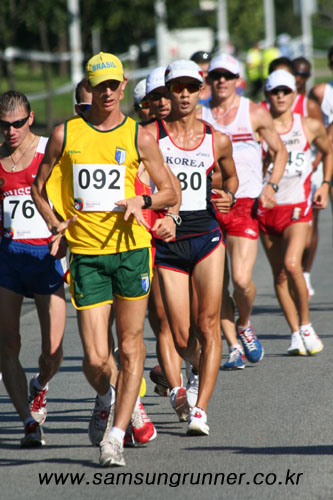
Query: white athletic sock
column 241, row 329
column 37, row 384
column 117, row 433
column 236, row 346
column 305, row 327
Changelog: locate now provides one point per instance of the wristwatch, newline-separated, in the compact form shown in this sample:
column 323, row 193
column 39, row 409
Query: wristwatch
column 274, row 186
column 234, row 199
column 147, row 201
column 176, row 218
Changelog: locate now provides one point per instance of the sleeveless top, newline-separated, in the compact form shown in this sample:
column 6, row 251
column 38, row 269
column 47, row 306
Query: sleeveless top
column 327, row 104
column 193, row 167
column 295, row 184
column 19, row 218
column 247, row 153
column 96, row 169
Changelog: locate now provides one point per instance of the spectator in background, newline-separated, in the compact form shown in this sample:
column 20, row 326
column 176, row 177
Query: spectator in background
column 268, row 55
column 254, row 70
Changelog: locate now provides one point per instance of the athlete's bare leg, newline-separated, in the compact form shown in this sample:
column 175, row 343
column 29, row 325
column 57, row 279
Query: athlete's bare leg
column 52, row 317
column 13, row 374
column 167, row 355
column 175, row 289
column 311, row 243
column 207, row 284
column 228, row 309
column 52, row 313
column 130, row 316
column 243, row 253
column 93, row 327
column 285, row 255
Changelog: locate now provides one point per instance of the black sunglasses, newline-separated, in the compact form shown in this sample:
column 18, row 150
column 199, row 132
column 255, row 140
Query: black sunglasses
column 304, row 74
column 178, row 87
column 16, row 124
column 84, row 107
column 216, row 75
column 157, row 96
column 281, row 90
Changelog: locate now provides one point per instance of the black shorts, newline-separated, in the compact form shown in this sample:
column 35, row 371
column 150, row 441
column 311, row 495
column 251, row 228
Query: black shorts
column 183, row 255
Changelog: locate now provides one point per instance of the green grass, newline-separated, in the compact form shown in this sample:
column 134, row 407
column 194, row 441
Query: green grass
column 31, row 81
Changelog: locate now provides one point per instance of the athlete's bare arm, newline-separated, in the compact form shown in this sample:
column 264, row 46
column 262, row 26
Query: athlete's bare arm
column 38, row 189
column 262, row 123
column 317, row 93
column 223, row 153
column 165, row 227
column 153, row 161
column 316, row 133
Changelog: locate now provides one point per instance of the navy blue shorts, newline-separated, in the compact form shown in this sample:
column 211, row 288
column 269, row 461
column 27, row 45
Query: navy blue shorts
column 183, row 255
column 29, row 269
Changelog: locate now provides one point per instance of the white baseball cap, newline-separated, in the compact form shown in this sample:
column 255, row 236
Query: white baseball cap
column 155, row 79
column 183, row 67
column 224, row 61
column 139, row 91
column 280, row 78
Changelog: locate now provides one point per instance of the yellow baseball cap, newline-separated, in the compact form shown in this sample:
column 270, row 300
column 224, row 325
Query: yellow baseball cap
column 104, row 67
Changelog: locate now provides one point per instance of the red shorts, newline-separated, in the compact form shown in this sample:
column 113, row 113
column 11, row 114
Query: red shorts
column 275, row 220
column 241, row 220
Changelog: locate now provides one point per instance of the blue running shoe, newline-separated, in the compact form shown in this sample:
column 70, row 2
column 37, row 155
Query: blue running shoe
column 253, row 349
column 236, row 360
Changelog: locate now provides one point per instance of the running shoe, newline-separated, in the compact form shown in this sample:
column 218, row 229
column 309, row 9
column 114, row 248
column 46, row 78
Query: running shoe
column 140, row 429
column 179, row 403
column 33, row 436
column 253, row 349
column 312, row 342
column 236, row 360
column 111, row 453
column 296, row 347
column 197, row 423
column 37, row 402
column 101, row 422
column 161, row 384
column 192, row 390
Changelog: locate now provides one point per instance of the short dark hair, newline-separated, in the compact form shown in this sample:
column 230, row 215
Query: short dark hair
column 12, row 99
column 78, row 90
column 300, row 60
column 201, row 56
column 330, row 52
column 280, row 61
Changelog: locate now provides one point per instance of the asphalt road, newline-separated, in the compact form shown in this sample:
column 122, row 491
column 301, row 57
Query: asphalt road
column 270, row 424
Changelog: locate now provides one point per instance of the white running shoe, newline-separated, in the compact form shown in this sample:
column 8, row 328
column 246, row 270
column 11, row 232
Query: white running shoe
column 179, row 403
column 312, row 342
column 197, row 423
column 37, row 402
column 111, row 453
column 192, row 389
column 296, row 347
column 101, row 422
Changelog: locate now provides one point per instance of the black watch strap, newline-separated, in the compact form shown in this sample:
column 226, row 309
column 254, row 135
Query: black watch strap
column 274, row 186
column 147, row 201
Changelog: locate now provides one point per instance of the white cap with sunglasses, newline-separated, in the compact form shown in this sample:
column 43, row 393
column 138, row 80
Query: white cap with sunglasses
column 280, row 78
column 224, row 62
column 183, row 68
column 155, row 79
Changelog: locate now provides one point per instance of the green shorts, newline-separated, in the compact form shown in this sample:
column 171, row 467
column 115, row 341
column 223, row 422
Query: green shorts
column 95, row 279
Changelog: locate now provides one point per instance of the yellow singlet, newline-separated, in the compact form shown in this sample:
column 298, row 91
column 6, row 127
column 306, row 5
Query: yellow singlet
column 96, row 169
